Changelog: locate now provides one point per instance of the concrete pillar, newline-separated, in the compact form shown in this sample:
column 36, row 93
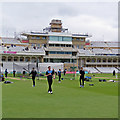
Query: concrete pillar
column 77, row 63
column 42, row 59
column 48, row 59
column 80, row 62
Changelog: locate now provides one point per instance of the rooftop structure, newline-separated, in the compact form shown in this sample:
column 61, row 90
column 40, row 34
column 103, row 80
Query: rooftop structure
column 56, row 45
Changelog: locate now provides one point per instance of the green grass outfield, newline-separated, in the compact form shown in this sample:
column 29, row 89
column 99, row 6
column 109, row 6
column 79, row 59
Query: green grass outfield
column 21, row 100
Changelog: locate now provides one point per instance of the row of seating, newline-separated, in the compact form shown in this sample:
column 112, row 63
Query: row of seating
column 103, row 44
column 101, row 69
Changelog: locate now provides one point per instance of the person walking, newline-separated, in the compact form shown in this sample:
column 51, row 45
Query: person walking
column 59, row 75
column 64, row 72
column 6, row 72
column 14, row 73
column 82, row 73
column 49, row 74
column 113, row 72
column 34, row 73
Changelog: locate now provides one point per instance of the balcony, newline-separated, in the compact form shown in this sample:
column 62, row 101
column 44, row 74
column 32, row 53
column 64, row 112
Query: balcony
column 102, row 63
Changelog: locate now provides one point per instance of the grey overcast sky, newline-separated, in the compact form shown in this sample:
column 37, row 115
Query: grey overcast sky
column 100, row 19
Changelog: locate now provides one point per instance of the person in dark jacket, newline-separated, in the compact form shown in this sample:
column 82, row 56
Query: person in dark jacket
column 6, row 72
column 14, row 73
column 113, row 72
column 64, row 72
column 34, row 73
column 82, row 73
column 49, row 74
column 59, row 75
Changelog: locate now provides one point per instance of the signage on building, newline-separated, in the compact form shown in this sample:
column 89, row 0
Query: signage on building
column 10, row 52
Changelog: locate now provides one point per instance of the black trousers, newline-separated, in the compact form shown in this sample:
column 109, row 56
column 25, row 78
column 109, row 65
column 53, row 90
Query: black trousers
column 6, row 75
column 59, row 77
column 50, row 84
column 13, row 74
column 33, row 79
column 82, row 81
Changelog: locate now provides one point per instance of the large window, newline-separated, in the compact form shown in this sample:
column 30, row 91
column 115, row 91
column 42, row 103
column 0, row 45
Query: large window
column 78, row 46
column 60, row 38
column 44, row 37
column 37, row 37
column 59, row 52
column 82, row 39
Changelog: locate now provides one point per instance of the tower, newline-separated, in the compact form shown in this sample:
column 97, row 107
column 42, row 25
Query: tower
column 56, row 25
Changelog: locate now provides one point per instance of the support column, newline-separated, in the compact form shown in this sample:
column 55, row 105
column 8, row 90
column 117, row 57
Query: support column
column 112, row 62
column 6, row 58
column 77, row 63
column 96, row 62
column 42, row 60
column 48, row 59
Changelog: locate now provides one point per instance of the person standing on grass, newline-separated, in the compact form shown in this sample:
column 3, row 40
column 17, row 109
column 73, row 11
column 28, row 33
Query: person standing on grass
column 64, row 72
column 59, row 75
column 2, row 76
column 6, row 72
column 14, row 73
column 113, row 72
column 34, row 73
column 49, row 74
column 82, row 73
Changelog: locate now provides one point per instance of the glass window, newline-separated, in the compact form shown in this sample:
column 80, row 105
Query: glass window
column 67, row 38
column 33, row 37
column 60, row 52
column 59, row 38
column 38, row 45
column 81, row 39
column 68, row 52
column 53, row 38
column 37, row 37
column 77, row 38
column 44, row 37
column 52, row 52
column 33, row 45
column 81, row 46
